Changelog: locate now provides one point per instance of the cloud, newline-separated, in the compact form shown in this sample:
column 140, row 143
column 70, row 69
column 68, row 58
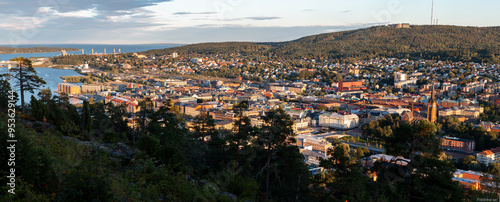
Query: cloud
column 194, row 13
column 263, row 18
column 106, row 7
column 240, row 19
column 88, row 13
column 346, row 11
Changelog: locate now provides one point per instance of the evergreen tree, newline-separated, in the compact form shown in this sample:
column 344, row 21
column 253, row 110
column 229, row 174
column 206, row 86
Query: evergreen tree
column 26, row 78
column 5, row 89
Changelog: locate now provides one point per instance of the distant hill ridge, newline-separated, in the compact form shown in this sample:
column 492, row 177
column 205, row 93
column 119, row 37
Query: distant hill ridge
column 10, row 50
column 441, row 42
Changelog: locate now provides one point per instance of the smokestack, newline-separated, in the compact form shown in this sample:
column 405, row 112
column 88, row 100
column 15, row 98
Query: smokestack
column 104, row 51
column 114, row 51
column 119, row 50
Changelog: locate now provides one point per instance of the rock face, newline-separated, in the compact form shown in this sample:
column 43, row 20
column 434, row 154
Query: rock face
column 120, row 150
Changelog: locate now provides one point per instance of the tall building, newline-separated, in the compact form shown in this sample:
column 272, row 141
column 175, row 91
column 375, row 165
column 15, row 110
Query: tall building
column 432, row 108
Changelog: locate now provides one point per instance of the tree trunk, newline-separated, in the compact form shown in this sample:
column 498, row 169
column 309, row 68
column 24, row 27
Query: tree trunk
column 237, row 154
column 267, row 175
column 21, row 85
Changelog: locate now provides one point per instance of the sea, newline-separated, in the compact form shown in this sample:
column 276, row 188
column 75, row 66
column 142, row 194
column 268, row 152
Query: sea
column 53, row 76
column 87, row 49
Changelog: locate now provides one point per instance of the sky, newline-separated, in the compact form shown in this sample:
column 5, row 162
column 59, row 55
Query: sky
column 195, row 21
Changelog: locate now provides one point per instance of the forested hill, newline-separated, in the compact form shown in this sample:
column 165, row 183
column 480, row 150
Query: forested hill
column 479, row 44
column 10, row 50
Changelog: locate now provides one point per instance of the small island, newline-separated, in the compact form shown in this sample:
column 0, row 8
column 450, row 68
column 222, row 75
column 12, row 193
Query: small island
column 10, row 50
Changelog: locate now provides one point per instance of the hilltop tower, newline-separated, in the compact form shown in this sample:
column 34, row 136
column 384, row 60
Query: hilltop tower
column 432, row 107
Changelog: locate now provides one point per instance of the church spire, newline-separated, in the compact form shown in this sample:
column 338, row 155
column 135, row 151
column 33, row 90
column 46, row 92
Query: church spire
column 432, row 107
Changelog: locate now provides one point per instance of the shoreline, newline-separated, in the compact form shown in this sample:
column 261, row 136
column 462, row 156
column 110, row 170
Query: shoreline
column 71, row 50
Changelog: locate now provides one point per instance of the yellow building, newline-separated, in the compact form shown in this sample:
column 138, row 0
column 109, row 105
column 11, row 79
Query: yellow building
column 68, row 88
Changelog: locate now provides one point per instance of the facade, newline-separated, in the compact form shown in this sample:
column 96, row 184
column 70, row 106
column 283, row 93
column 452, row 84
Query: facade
column 300, row 124
column 468, row 179
column 316, row 144
column 457, row 144
column 339, row 121
column 469, row 112
column 401, row 84
column 68, row 88
column 92, row 88
column 489, row 156
column 399, row 76
column 351, row 86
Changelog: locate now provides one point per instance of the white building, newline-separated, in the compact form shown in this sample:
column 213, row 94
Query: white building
column 339, row 121
column 399, row 76
column 488, row 156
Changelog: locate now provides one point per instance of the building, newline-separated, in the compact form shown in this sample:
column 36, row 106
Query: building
column 400, row 25
column 175, row 55
column 447, row 103
column 315, row 143
column 68, row 88
column 432, row 108
column 468, row 179
column 489, row 156
column 369, row 161
column 399, row 76
column 300, row 124
column 92, row 88
column 351, row 86
column 411, row 117
column 224, row 124
column 468, row 112
column 284, row 88
column 342, row 121
column 174, row 82
column 126, row 66
column 132, row 106
column 401, row 84
column 457, row 144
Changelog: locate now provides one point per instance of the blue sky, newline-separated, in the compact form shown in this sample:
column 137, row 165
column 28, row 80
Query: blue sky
column 193, row 21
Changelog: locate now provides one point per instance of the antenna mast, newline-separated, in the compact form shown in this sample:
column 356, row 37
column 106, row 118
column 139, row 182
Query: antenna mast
column 432, row 12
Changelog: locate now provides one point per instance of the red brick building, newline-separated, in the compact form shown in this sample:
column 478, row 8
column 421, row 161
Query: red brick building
column 458, row 144
column 351, row 85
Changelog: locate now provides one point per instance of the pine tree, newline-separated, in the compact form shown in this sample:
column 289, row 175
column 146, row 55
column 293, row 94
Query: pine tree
column 26, row 78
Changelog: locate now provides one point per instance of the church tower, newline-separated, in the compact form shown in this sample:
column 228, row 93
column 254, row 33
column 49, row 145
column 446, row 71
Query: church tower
column 432, row 107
